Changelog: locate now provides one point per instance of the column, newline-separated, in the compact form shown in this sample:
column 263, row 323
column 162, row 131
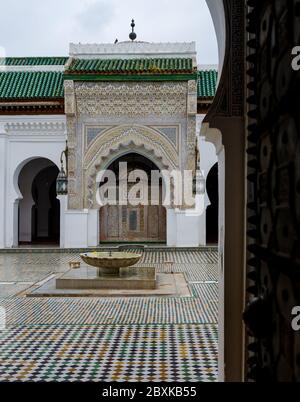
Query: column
column 3, row 171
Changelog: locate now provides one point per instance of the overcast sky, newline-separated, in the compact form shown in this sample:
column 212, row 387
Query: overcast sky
column 45, row 28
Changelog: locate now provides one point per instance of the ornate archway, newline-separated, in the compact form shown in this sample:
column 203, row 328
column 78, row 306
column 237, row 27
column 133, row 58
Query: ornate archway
column 114, row 143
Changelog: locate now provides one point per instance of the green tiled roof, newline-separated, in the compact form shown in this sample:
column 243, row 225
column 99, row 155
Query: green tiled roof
column 33, row 61
column 132, row 66
column 21, row 85
column 28, row 85
column 207, row 83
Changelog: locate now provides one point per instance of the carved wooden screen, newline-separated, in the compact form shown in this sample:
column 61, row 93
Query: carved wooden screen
column 274, row 186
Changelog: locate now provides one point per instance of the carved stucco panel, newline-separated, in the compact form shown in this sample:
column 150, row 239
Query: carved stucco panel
column 119, row 141
column 131, row 98
column 191, row 143
column 153, row 101
column 70, row 103
column 138, row 135
column 74, row 165
column 192, row 98
column 71, row 131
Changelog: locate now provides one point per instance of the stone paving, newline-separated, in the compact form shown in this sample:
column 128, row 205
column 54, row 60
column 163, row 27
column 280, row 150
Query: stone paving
column 109, row 338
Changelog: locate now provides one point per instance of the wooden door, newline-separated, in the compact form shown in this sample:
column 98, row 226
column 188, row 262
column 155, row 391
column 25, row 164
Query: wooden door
column 132, row 224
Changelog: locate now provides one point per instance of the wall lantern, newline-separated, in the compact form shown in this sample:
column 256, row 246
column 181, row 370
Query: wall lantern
column 62, row 178
column 199, row 182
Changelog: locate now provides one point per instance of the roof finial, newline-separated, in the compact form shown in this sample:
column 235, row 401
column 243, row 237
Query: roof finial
column 132, row 34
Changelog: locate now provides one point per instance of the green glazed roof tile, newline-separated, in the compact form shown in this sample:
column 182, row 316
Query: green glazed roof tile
column 207, row 83
column 49, row 84
column 33, row 61
column 132, row 66
column 29, row 85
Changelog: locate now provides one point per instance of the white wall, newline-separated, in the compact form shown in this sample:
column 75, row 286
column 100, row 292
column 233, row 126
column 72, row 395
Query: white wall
column 22, row 139
column 208, row 158
column 78, row 229
column 187, row 228
column 183, row 230
column 207, row 150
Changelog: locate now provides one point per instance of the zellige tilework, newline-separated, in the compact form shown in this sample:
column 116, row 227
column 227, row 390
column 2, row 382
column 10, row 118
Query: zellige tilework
column 109, row 338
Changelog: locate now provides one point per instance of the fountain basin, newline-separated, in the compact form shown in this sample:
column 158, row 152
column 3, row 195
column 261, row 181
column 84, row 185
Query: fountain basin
column 109, row 263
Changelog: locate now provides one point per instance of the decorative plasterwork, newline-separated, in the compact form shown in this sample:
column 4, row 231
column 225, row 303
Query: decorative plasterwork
column 192, row 98
column 123, row 105
column 139, row 135
column 70, row 105
column 130, row 50
column 191, row 143
column 119, row 141
column 171, row 133
column 131, row 99
column 74, row 165
column 35, row 126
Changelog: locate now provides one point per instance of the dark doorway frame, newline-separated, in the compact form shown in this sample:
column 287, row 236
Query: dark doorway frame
column 212, row 211
column 36, row 169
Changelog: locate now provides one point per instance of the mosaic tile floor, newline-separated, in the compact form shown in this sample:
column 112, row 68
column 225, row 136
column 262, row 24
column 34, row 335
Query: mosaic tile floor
column 110, row 353
column 109, row 339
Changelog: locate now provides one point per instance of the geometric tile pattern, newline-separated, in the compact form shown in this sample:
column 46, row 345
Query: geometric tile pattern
column 33, row 267
column 109, row 338
column 94, row 311
column 183, row 353
column 57, row 260
column 205, row 291
column 193, row 272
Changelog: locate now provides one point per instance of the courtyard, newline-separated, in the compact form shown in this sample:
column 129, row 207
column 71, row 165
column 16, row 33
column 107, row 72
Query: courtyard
column 140, row 339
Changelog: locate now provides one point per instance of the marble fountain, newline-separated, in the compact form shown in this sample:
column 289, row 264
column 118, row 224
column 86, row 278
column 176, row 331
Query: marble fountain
column 110, row 263
column 109, row 270
column 112, row 273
